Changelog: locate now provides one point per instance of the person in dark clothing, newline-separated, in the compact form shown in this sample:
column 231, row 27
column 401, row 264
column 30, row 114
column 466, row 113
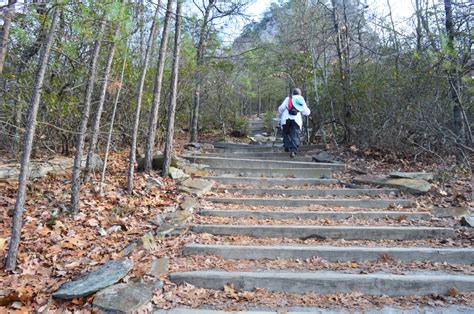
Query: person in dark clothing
column 291, row 111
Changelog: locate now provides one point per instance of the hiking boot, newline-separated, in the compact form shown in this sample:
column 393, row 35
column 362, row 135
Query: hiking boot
column 293, row 155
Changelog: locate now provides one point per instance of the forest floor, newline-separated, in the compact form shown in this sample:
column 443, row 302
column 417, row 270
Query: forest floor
column 55, row 249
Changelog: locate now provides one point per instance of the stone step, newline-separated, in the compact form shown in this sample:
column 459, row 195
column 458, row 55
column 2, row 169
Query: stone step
column 451, row 309
column 324, row 282
column 260, row 148
column 244, row 163
column 281, row 215
column 321, row 173
column 270, row 182
column 335, row 253
column 263, row 155
column 292, row 202
column 309, row 192
column 332, row 232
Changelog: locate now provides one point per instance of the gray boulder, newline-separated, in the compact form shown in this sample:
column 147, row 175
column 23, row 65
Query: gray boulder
column 196, row 187
column 157, row 162
column 125, row 298
column 416, row 186
column 192, row 146
column 108, row 274
column 467, row 221
column 324, row 157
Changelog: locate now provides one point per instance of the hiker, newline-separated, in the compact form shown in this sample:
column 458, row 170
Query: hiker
column 291, row 121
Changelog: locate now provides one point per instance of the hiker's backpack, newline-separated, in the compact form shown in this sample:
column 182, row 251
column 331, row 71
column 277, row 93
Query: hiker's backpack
column 292, row 109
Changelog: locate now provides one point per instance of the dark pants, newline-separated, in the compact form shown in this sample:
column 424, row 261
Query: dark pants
column 291, row 135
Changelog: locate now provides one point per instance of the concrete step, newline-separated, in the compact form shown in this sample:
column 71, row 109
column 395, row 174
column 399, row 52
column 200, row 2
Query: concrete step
column 322, row 173
column 244, row 163
column 335, row 253
column 310, row 192
column 292, row 202
column 270, row 182
column 451, row 309
column 281, row 215
column 332, row 232
column 263, row 155
column 330, row 282
column 259, row 148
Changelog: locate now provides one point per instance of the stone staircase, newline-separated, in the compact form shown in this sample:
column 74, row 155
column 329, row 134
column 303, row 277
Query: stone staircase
column 268, row 207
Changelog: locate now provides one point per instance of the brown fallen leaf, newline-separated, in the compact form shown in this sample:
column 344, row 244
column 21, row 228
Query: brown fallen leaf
column 229, row 289
column 452, row 292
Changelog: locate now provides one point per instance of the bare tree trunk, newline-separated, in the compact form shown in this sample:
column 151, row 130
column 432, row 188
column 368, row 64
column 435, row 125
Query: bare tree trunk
column 155, row 106
column 100, row 108
column 395, row 40
column 174, row 91
column 259, row 113
column 81, row 133
column 341, row 63
column 198, row 77
column 27, row 146
column 141, row 85
column 5, row 31
column 418, row 25
column 111, row 128
column 453, row 75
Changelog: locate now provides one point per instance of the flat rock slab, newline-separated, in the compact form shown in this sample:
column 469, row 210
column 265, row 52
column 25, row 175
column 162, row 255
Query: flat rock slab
column 310, row 192
column 271, row 182
column 467, row 221
column 258, row 214
column 106, row 275
column 412, row 175
column 330, row 282
column 37, row 169
column 124, row 298
column 248, row 163
column 278, row 172
column 416, row 186
column 324, row 157
column 292, row 202
column 197, row 187
column 331, row 232
column 334, row 253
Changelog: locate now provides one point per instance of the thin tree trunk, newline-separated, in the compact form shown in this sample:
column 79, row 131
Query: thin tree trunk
column 174, row 91
column 395, row 40
column 27, row 146
column 155, row 104
column 81, row 132
column 111, row 128
column 259, row 100
column 198, row 77
column 141, row 85
column 100, row 108
column 418, row 25
column 341, row 62
column 453, row 75
column 5, row 31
